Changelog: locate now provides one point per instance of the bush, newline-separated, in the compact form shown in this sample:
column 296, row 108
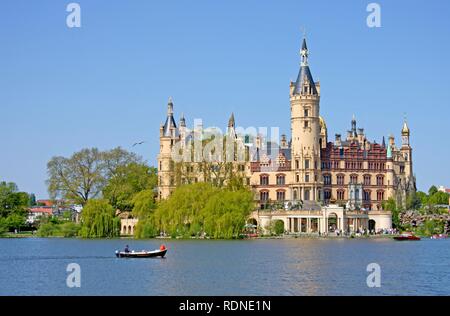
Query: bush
column 278, row 227
column 431, row 227
column 69, row 229
column 48, row 230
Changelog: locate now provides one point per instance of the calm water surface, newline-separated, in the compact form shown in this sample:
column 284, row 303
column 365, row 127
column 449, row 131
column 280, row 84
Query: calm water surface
column 256, row 267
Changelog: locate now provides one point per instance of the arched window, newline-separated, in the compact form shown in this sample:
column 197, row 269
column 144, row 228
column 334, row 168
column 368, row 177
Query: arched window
column 380, row 195
column 281, row 195
column 327, row 179
column 281, row 179
column 380, row 180
column 340, row 179
column 264, row 179
column 264, row 196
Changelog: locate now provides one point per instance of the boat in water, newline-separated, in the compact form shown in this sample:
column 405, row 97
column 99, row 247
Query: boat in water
column 161, row 252
column 439, row 236
column 407, row 236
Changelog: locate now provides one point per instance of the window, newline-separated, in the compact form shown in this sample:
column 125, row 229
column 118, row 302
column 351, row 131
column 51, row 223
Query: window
column 306, row 163
column 306, row 124
column 340, row 179
column 297, row 164
column 327, row 194
column 340, row 195
column 367, row 180
column 367, row 195
column 280, row 179
column 354, row 179
column 327, row 179
column 380, row 195
column 307, row 177
column 280, row 195
column 264, row 196
column 306, row 113
column 402, row 169
column 307, row 194
column 264, row 180
column 297, row 178
column 380, row 180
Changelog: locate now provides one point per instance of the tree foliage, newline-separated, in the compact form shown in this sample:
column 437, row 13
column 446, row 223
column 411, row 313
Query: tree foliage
column 98, row 220
column 13, row 206
column 203, row 209
column 84, row 175
column 127, row 181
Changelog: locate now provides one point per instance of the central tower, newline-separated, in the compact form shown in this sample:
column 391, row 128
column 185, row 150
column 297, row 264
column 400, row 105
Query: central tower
column 306, row 133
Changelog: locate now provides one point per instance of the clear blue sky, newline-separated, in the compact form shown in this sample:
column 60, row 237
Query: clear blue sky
column 107, row 84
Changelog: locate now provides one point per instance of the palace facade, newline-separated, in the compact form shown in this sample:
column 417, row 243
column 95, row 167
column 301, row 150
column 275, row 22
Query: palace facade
column 312, row 184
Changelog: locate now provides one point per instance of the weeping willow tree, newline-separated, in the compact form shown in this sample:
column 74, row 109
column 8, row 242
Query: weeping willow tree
column 98, row 220
column 144, row 207
column 204, row 209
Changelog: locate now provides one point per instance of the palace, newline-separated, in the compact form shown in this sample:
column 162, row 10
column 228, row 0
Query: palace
column 312, row 184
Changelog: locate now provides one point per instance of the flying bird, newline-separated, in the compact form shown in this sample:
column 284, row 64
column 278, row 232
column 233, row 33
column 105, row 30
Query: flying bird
column 139, row 143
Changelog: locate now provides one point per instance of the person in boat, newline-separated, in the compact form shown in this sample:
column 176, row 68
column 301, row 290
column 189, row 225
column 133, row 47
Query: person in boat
column 162, row 247
column 127, row 249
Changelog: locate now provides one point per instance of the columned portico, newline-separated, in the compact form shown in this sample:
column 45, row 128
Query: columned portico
column 327, row 220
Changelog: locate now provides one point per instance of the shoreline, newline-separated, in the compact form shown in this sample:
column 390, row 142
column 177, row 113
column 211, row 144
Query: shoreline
column 284, row 237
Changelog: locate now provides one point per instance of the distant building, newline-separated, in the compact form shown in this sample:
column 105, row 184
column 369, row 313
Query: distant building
column 34, row 213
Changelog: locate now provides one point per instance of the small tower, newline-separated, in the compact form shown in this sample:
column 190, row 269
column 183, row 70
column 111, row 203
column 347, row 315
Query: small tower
column 406, row 150
column 169, row 135
column 231, row 126
column 405, row 134
column 306, row 132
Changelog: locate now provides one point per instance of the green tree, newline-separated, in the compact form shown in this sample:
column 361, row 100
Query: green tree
column 32, row 200
column 126, row 182
column 423, row 198
column 433, row 189
column 391, row 205
column 13, row 206
column 144, row 207
column 144, row 204
column 98, row 220
column 439, row 198
column 413, row 201
column 203, row 208
column 84, row 175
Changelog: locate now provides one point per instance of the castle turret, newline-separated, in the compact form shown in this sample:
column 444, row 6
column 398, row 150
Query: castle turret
column 306, row 132
column 406, row 151
column 169, row 135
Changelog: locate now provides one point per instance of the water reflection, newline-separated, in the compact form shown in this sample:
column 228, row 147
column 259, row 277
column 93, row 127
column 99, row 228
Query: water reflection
column 254, row 267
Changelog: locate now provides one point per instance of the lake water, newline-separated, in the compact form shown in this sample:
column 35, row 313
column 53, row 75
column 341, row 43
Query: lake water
column 253, row 267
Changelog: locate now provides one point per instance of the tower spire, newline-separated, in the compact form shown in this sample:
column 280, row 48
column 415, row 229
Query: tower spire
column 170, row 107
column 305, row 83
column 231, row 121
column 170, row 127
column 304, row 53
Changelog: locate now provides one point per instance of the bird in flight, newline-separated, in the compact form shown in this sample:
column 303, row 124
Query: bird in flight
column 139, row 143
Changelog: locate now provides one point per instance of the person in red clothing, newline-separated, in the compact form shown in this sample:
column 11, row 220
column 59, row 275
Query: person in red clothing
column 162, row 247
